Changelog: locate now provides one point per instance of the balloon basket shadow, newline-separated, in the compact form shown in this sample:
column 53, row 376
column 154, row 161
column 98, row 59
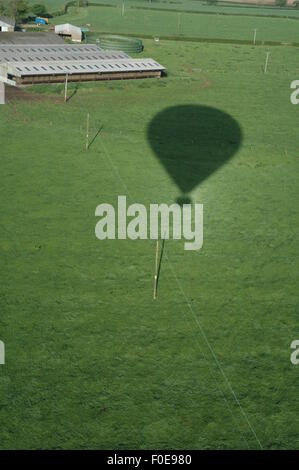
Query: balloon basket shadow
column 183, row 199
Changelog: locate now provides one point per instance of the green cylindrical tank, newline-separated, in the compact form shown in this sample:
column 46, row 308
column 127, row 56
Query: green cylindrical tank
column 121, row 43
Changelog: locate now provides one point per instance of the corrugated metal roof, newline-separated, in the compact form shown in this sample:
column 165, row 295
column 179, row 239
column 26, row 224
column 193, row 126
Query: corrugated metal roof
column 86, row 67
column 30, row 38
column 63, row 52
column 46, row 59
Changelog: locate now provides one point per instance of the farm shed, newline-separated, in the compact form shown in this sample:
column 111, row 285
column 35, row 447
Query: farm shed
column 69, row 31
column 51, row 64
column 7, row 24
column 30, row 38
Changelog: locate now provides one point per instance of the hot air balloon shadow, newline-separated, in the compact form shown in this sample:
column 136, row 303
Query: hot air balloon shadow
column 192, row 142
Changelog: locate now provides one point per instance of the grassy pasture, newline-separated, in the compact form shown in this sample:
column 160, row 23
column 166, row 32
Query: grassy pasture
column 187, row 5
column 92, row 361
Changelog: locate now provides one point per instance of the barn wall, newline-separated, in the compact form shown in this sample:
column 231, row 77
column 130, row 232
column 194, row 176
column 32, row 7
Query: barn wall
column 86, row 77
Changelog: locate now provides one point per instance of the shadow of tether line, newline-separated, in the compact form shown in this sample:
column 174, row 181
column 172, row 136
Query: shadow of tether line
column 95, row 136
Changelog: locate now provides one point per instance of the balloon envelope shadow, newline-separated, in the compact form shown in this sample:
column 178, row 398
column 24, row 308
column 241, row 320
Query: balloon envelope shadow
column 192, row 142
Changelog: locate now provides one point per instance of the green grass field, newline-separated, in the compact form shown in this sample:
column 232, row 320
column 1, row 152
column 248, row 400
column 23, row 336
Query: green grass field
column 91, row 360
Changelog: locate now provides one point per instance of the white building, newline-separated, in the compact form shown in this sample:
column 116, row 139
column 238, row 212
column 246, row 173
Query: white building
column 7, row 25
column 69, row 31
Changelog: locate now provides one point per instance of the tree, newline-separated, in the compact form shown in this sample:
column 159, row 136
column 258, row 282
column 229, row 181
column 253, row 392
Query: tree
column 17, row 9
column 39, row 10
column 280, row 3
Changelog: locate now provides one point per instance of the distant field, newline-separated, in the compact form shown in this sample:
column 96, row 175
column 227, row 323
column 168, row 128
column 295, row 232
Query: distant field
column 194, row 25
column 52, row 5
column 187, row 5
column 92, row 361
